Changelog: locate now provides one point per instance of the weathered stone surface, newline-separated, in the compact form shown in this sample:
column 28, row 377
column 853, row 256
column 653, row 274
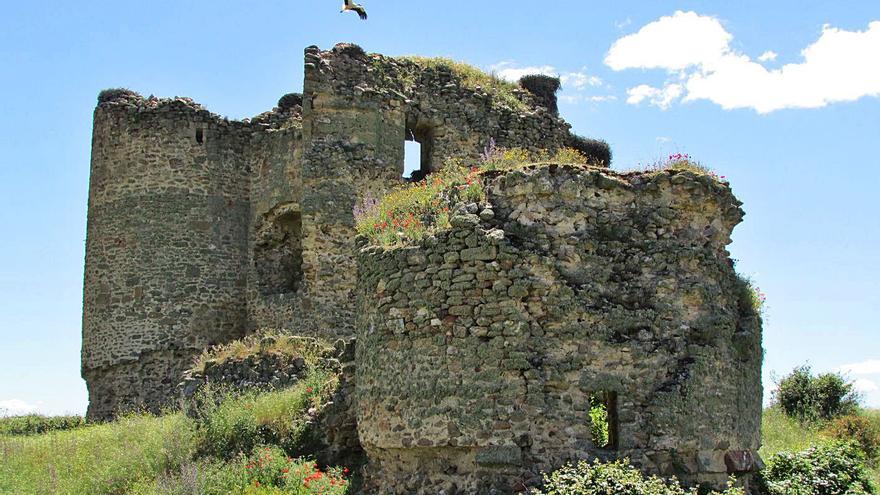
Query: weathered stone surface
column 623, row 286
column 202, row 230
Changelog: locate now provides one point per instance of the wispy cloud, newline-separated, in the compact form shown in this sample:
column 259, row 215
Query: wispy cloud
column 13, row 407
column 869, row 367
column 574, row 83
column 660, row 97
column 696, row 52
column 768, row 56
column 865, row 386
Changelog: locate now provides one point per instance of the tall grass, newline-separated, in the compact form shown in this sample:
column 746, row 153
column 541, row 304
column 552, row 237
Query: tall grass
column 238, row 424
column 223, row 450
column 103, row 459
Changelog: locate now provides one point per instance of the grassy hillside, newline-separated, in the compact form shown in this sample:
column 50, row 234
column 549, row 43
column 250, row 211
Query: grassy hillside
column 241, row 446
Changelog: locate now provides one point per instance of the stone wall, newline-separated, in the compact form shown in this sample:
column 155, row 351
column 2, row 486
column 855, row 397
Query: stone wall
column 166, row 246
column 479, row 349
column 201, row 229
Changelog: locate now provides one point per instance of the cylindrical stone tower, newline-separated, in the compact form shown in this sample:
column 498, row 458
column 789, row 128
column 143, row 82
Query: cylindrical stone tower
column 166, row 247
column 579, row 314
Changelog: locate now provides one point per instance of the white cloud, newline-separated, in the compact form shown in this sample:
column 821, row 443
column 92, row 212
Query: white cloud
column 506, row 71
column 869, row 367
column 660, row 97
column 674, row 42
column 768, row 56
column 13, row 407
column 865, row 386
column 579, row 80
column 839, row 66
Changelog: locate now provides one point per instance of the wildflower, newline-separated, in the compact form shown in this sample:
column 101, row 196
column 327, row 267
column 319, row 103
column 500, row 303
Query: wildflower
column 309, row 390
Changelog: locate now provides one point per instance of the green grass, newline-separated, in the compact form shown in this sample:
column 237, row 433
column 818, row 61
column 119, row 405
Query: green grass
column 239, row 424
column 240, row 445
column 471, row 77
column 265, row 342
column 102, row 459
column 413, row 211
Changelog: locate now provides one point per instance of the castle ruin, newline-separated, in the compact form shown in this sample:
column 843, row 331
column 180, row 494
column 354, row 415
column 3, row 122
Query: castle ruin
column 477, row 355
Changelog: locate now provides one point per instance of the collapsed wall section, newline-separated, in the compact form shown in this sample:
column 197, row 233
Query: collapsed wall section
column 166, row 247
column 480, row 350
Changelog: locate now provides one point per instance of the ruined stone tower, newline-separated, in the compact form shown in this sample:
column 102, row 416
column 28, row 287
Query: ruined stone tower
column 201, row 229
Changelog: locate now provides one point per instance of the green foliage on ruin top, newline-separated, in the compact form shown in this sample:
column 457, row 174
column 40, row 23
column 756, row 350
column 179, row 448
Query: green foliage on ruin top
column 472, row 78
column 413, row 211
column 244, row 444
column 265, row 342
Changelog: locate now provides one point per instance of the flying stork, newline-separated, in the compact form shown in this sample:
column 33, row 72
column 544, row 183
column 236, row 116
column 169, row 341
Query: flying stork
column 350, row 5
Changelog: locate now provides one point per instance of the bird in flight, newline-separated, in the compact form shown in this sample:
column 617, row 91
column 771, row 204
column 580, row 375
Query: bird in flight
column 350, row 5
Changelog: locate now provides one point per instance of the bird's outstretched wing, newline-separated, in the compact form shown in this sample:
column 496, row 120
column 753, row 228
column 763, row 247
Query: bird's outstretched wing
column 361, row 12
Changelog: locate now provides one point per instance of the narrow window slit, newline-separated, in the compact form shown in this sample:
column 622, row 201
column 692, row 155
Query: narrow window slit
column 603, row 420
column 200, row 136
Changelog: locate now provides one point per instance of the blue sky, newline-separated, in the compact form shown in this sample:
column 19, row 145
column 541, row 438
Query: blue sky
column 796, row 132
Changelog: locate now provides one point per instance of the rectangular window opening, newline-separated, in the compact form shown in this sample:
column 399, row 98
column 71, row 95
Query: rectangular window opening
column 417, row 153
column 603, row 419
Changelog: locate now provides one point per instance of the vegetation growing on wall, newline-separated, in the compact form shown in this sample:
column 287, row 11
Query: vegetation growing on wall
column 414, row 210
column 472, row 78
column 265, row 342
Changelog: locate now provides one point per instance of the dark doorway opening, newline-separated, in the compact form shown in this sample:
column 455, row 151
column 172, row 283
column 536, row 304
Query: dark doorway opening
column 278, row 253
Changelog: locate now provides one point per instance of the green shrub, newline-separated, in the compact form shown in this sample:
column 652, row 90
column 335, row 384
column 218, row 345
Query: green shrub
column 414, row 210
column 614, row 478
column 597, row 151
column 815, row 398
column 231, row 424
column 861, row 429
column 836, row 469
column 33, row 424
column 111, row 94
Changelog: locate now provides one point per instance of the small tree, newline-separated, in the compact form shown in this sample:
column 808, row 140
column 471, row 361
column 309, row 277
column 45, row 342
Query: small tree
column 815, row 398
